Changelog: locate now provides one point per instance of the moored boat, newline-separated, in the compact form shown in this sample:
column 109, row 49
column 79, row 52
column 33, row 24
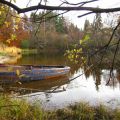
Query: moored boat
column 24, row 73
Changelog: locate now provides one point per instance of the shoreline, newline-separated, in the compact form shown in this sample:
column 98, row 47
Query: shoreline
column 21, row 110
column 4, row 59
column 7, row 59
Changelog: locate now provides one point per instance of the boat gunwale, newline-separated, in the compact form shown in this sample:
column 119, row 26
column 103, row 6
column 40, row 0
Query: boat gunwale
column 32, row 67
column 40, row 66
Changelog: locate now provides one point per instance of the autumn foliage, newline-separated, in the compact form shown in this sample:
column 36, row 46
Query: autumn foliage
column 12, row 27
column 56, row 34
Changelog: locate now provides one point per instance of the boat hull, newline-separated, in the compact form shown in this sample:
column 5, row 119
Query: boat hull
column 31, row 73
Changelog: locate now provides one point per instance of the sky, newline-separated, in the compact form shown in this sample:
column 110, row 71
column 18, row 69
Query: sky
column 73, row 16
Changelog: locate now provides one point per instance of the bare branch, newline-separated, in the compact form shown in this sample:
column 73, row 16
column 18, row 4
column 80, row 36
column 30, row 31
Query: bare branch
column 85, row 14
column 42, row 7
column 28, row 3
column 114, row 57
column 80, row 3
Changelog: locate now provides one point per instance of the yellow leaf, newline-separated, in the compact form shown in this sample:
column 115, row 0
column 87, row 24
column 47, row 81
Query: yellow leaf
column 13, row 37
column 8, row 41
column 16, row 27
column 17, row 20
column 18, row 72
column 2, row 8
column 7, row 24
column 81, row 41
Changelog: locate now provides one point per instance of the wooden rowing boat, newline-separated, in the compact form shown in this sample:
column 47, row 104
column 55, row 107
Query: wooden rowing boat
column 31, row 72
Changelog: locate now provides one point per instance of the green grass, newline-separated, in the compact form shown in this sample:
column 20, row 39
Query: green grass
column 3, row 54
column 21, row 110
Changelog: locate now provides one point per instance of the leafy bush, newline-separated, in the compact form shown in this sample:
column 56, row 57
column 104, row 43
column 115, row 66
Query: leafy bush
column 25, row 44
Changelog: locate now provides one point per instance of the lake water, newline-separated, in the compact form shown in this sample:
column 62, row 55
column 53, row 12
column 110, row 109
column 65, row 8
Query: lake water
column 90, row 87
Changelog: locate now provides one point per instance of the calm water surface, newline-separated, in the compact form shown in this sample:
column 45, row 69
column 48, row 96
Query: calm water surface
column 90, row 87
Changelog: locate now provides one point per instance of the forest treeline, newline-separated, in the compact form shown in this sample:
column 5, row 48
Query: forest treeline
column 55, row 33
column 46, row 31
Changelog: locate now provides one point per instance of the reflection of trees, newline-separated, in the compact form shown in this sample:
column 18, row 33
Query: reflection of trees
column 97, row 78
column 113, row 81
column 118, row 75
column 74, row 68
column 88, row 72
column 96, row 73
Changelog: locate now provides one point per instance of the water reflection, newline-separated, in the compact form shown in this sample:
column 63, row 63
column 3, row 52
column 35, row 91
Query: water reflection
column 90, row 87
column 50, row 59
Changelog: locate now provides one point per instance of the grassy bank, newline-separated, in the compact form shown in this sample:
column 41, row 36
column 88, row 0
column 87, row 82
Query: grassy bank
column 21, row 110
column 9, row 51
column 3, row 54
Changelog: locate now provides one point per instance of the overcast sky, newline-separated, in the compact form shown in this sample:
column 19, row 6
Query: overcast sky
column 72, row 16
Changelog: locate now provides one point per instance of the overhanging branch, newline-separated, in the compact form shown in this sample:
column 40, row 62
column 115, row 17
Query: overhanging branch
column 74, row 8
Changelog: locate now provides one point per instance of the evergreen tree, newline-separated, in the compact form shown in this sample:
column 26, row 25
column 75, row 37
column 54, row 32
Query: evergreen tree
column 97, row 23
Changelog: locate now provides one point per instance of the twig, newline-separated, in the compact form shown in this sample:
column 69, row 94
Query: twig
column 112, row 67
column 85, row 14
column 80, row 3
column 106, row 46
